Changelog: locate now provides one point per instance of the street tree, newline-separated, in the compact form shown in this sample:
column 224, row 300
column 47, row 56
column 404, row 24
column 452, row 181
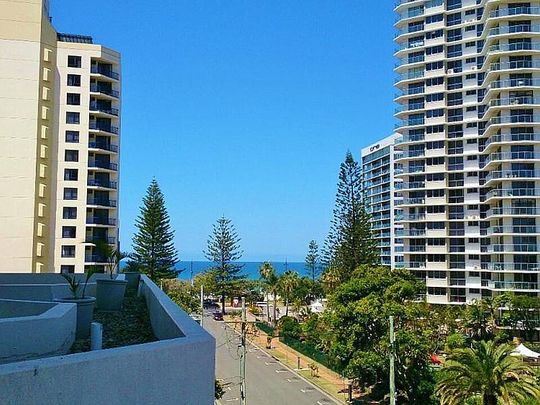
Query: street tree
column 153, row 246
column 270, row 281
column 288, row 282
column 350, row 242
column 313, row 260
column 223, row 249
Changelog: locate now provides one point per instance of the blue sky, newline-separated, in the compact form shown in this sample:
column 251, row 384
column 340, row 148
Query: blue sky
column 243, row 109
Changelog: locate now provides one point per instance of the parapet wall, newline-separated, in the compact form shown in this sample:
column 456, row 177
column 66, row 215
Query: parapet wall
column 176, row 370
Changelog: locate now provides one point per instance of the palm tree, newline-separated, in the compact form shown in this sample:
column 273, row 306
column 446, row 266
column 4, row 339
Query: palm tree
column 331, row 278
column 288, row 282
column 488, row 372
column 271, row 284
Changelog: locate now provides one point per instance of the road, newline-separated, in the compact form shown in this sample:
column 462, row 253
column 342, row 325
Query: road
column 268, row 382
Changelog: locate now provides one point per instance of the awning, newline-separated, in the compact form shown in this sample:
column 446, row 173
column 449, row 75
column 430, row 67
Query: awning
column 523, row 351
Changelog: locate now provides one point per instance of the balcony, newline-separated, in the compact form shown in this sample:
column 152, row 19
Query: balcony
column 522, row 64
column 509, row 248
column 500, row 156
column 509, row 266
column 514, row 119
column 105, row 71
column 504, row 12
column 514, row 29
column 95, row 88
column 514, row 101
column 512, row 174
column 522, row 137
column 97, row 126
column 518, row 46
column 101, row 221
column 103, row 146
column 104, row 202
column 102, row 183
column 513, row 192
column 95, row 107
column 110, row 240
column 512, row 285
column 531, row 211
column 103, row 165
column 94, row 259
column 514, row 83
column 519, row 229
column 457, row 282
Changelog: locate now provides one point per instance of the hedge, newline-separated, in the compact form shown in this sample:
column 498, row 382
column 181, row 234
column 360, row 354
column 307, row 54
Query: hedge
column 265, row 328
column 312, row 352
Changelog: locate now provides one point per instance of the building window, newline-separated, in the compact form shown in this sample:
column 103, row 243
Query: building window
column 73, row 117
column 68, row 251
column 74, row 80
column 71, row 174
column 72, row 136
column 73, row 99
column 69, row 213
column 74, row 61
column 67, row 269
column 70, row 193
column 72, row 155
column 69, row 232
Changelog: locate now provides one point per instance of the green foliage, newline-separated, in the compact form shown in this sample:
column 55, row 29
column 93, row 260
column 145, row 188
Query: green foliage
column 219, row 389
column 112, row 256
column 313, row 260
column 185, row 296
column 153, row 245
column 350, row 242
column 269, row 330
column 224, row 250
column 270, row 282
column 309, row 350
column 312, row 329
column 289, row 327
column 488, row 371
column 75, row 283
column 287, row 284
column 355, row 332
column 456, row 341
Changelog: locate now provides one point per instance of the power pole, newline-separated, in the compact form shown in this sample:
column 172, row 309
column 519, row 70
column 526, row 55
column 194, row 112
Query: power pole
column 243, row 352
column 392, row 355
column 202, row 305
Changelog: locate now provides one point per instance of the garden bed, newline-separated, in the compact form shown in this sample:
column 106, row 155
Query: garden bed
column 131, row 326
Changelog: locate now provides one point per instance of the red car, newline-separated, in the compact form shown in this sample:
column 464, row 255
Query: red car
column 218, row 316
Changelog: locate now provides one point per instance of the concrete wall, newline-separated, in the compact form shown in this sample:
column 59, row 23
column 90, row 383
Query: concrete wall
column 31, row 330
column 177, row 370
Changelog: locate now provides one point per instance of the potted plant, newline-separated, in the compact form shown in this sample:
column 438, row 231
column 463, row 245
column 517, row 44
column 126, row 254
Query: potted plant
column 85, row 305
column 110, row 291
column 133, row 274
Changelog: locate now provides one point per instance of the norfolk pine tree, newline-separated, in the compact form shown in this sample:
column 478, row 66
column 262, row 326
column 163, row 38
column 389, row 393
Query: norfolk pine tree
column 153, row 246
column 224, row 250
column 350, row 242
column 312, row 260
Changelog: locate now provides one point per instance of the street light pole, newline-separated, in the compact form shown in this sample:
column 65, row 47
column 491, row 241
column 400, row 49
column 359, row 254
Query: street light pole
column 202, row 305
column 243, row 355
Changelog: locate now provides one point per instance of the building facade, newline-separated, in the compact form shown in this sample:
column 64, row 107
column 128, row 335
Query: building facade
column 59, row 144
column 469, row 95
column 381, row 190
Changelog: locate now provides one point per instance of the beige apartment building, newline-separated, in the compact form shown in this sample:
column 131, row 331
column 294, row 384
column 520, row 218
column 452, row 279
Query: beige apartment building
column 59, row 144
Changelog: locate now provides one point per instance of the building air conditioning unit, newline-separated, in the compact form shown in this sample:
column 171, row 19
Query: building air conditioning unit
column 450, row 71
column 470, row 20
column 474, row 67
column 476, row 268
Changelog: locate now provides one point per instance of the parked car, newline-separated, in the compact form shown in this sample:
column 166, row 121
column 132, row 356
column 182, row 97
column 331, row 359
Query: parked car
column 218, row 316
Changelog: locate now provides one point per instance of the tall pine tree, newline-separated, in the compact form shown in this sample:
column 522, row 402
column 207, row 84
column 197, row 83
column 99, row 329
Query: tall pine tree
column 224, row 251
column 153, row 245
column 350, row 242
column 312, row 260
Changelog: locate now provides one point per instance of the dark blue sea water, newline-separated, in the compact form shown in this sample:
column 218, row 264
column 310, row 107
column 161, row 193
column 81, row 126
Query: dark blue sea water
column 250, row 269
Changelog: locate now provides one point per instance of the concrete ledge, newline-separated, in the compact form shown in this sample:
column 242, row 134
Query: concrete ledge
column 179, row 369
column 30, row 329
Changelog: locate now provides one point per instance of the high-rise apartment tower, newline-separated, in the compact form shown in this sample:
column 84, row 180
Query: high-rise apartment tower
column 59, row 144
column 469, row 94
column 382, row 196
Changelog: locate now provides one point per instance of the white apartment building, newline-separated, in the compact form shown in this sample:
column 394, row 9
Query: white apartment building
column 469, row 94
column 59, row 144
column 382, row 196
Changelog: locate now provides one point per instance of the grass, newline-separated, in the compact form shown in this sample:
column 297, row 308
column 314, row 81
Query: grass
column 131, row 326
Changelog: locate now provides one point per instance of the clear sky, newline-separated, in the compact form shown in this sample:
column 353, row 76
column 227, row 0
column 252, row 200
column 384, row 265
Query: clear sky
column 243, row 109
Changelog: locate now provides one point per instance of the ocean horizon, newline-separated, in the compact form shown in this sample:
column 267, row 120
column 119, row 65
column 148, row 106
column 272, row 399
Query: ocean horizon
column 249, row 269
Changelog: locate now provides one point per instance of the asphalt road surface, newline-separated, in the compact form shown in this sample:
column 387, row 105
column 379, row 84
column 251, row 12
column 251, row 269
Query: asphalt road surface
column 268, row 382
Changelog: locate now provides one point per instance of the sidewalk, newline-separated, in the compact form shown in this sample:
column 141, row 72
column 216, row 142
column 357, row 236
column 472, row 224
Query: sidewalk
column 326, row 379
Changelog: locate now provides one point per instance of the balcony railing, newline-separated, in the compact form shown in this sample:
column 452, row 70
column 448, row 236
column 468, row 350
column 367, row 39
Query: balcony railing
column 494, row 157
column 503, row 12
column 94, row 259
column 513, row 192
column 95, row 88
column 103, row 165
column 514, row 83
column 94, row 125
column 515, row 247
column 512, row 285
column 513, row 211
column 527, row 229
column 95, row 107
column 513, row 101
column 521, row 64
column 512, row 174
column 101, row 201
column 102, row 183
column 531, row 137
column 514, row 119
column 105, row 71
column 509, row 266
column 517, row 46
column 101, row 221
column 514, row 29
column 104, row 146
column 111, row 240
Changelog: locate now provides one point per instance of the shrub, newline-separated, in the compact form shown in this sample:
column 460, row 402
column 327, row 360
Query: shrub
column 456, row 341
column 289, row 327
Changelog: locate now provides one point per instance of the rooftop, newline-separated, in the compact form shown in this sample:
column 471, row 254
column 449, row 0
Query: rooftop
column 81, row 39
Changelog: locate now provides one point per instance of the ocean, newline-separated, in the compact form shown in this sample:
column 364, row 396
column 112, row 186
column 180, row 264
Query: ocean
column 250, row 269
